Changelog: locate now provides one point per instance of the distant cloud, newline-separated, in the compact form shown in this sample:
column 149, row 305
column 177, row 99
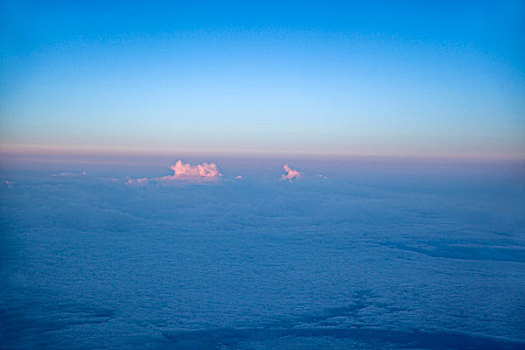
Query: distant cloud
column 200, row 172
column 184, row 172
column 143, row 180
column 69, row 174
column 289, row 173
column 139, row 182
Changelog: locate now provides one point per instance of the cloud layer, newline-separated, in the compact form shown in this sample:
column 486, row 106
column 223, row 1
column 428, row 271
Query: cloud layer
column 289, row 173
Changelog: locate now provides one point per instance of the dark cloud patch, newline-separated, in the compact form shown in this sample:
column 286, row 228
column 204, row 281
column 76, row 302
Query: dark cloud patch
column 440, row 250
column 366, row 337
column 40, row 319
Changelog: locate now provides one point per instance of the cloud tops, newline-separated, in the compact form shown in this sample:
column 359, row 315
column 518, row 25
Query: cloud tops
column 200, row 172
column 289, row 173
column 205, row 172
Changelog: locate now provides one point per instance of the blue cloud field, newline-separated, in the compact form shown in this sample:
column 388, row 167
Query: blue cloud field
column 262, row 175
column 351, row 254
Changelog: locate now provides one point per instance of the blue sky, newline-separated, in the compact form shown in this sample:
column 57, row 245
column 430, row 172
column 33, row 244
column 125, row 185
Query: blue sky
column 335, row 78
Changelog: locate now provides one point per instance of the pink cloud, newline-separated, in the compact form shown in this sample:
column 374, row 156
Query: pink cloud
column 289, row 173
column 183, row 171
column 200, row 172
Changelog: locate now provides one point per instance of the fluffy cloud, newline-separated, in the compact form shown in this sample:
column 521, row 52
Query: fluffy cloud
column 289, row 173
column 200, row 172
column 183, row 171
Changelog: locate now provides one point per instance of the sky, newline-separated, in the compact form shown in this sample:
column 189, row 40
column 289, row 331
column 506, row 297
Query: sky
column 431, row 79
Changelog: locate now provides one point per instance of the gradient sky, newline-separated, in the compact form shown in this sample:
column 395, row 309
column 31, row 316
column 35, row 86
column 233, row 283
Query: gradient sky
column 442, row 78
